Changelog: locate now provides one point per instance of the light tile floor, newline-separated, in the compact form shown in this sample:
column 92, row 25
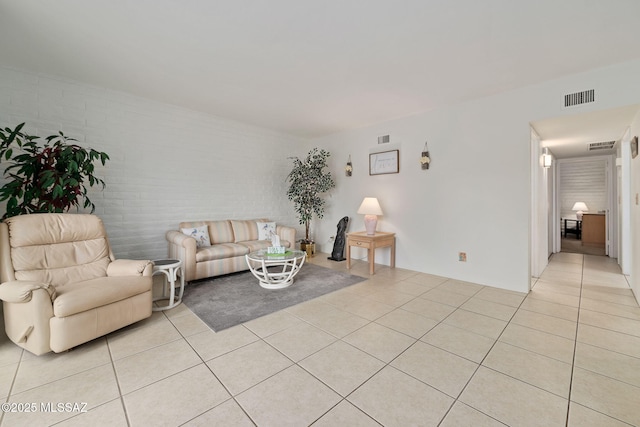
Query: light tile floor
column 401, row 348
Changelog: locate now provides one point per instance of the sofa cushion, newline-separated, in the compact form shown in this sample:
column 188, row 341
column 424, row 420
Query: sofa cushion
column 77, row 297
column 244, row 230
column 201, row 234
column 221, row 251
column 219, row 231
column 256, row 245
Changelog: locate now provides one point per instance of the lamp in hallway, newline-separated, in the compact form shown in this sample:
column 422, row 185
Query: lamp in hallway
column 580, row 208
column 371, row 209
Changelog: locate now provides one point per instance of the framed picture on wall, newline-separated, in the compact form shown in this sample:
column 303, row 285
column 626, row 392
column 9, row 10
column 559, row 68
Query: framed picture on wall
column 384, row 162
column 634, row 147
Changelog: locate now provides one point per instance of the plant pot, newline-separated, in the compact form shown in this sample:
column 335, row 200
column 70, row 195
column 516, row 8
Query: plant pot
column 309, row 248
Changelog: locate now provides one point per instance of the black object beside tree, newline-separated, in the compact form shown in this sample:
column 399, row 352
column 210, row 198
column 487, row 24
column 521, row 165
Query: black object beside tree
column 338, row 245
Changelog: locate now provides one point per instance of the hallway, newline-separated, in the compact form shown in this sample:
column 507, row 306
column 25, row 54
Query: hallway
column 590, row 292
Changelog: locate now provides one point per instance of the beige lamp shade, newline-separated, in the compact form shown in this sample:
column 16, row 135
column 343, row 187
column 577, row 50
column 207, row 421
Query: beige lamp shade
column 370, row 206
column 371, row 209
column 580, row 207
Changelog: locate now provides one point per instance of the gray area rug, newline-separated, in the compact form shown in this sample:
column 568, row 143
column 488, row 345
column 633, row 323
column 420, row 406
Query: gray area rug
column 226, row 301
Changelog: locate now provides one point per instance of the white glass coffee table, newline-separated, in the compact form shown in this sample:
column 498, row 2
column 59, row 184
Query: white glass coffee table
column 275, row 271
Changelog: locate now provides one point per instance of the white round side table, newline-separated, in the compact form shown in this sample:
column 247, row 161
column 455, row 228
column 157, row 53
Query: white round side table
column 171, row 268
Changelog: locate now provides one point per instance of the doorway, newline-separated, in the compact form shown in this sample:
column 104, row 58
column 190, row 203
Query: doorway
column 570, row 137
column 584, row 186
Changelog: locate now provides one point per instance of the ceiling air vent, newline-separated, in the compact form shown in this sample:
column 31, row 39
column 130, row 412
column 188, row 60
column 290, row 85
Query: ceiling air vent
column 578, row 98
column 594, row 146
column 384, row 139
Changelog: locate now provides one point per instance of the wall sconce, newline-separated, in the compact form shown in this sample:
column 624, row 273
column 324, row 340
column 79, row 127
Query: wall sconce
column 349, row 168
column 546, row 158
column 424, row 158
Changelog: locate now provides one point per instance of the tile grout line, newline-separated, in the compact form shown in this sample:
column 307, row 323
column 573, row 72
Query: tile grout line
column 13, row 383
column 115, row 374
column 575, row 344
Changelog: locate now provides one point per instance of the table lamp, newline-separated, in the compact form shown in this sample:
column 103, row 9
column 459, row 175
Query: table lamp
column 371, row 209
column 580, row 207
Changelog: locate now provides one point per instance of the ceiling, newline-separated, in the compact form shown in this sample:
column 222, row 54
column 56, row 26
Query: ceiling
column 315, row 68
column 570, row 136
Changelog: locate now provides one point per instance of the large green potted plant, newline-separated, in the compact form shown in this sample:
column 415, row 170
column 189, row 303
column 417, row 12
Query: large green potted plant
column 307, row 182
column 45, row 177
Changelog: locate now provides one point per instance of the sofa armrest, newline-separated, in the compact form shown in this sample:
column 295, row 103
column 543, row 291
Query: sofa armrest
column 180, row 239
column 183, row 247
column 22, row 290
column 287, row 233
column 130, row 267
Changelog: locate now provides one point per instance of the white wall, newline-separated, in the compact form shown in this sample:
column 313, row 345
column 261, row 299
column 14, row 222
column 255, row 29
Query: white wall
column 540, row 177
column 476, row 195
column 634, row 259
column 623, row 192
column 551, row 198
column 168, row 164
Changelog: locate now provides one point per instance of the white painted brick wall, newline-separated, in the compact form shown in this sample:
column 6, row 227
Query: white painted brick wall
column 168, row 164
column 582, row 180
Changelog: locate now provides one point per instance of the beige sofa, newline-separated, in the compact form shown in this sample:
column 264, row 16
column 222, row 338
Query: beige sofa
column 228, row 243
column 61, row 285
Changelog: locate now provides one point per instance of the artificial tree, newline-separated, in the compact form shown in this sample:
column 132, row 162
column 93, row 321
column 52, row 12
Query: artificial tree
column 307, row 182
column 48, row 177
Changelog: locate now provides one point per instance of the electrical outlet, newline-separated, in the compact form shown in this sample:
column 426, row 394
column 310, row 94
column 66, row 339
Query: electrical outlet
column 462, row 256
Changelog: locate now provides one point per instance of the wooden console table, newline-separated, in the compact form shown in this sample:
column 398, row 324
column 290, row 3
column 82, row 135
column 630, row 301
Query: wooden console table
column 371, row 242
column 594, row 230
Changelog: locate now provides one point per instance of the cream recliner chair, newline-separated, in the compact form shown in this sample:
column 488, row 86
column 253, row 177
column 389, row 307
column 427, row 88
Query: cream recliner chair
column 60, row 284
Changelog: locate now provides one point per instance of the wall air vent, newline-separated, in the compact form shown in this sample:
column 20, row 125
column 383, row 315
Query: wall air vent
column 594, row 146
column 383, row 139
column 579, row 98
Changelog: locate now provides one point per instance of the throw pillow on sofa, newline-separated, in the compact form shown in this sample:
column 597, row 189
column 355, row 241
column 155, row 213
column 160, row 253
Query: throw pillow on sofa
column 266, row 230
column 201, row 234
